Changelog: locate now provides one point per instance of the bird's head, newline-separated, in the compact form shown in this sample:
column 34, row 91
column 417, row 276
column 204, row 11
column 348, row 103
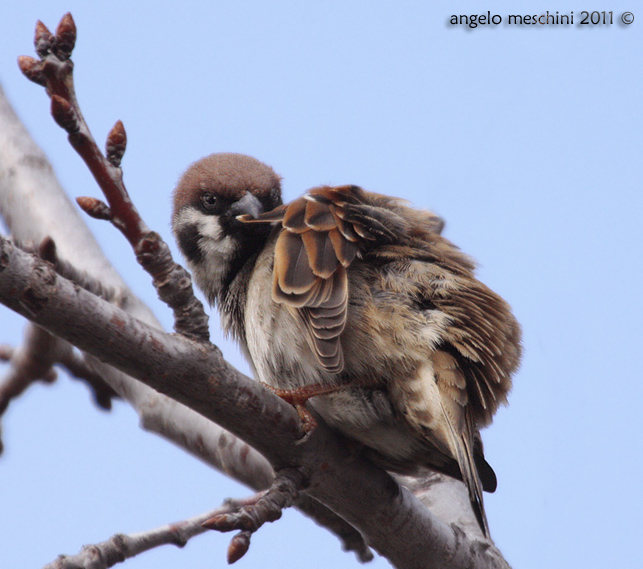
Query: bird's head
column 208, row 199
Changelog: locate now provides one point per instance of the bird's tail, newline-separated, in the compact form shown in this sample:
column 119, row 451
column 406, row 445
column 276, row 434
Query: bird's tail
column 472, row 480
column 464, row 447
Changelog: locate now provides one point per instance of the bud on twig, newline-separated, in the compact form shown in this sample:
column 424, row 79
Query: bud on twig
column 64, row 114
column 47, row 250
column 116, row 144
column 238, row 547
column 42, row 39
column 32, row 69
column 65, row 37
column 94, row 208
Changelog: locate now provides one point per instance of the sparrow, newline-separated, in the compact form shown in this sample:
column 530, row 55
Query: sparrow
column 355, row 300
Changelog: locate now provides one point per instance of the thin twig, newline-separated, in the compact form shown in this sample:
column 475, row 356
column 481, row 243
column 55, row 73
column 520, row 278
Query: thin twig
column 120, row 547
column 80, row 368
column 34, row 361
column 19, row 201
column 247, row 520
column 29, row 363
column 54, row 71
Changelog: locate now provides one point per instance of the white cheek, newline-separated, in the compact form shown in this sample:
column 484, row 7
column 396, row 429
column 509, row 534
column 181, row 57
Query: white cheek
column 188, row 216
column 217, row 248
column 209, row 227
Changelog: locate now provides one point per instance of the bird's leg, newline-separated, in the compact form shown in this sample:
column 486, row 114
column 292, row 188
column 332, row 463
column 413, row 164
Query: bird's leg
column 300, row 396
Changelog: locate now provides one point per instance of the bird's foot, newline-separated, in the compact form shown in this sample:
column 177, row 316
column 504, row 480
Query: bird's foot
column 300, row 396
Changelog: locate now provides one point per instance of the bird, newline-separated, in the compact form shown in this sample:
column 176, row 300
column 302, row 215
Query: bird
column 355, row 301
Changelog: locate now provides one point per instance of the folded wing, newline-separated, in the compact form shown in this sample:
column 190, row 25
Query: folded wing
column 322, row 233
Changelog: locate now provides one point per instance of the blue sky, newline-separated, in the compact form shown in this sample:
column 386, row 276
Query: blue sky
column 526, row 139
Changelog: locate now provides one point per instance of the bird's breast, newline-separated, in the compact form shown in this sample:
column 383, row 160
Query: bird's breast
column 377, row 348
column 276, row 343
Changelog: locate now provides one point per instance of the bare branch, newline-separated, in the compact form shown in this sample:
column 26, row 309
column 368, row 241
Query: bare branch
column 268, row 508
column 394, row 522
column 192, row 373
column 34, row 360
column 55, row 72
column 34, row 207
column 120, row 547
column 31, row 362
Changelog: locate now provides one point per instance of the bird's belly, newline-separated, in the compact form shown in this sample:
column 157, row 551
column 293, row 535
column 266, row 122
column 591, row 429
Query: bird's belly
column 275, row 341
column 279, row 352
column 366, row 415
column 282, row 358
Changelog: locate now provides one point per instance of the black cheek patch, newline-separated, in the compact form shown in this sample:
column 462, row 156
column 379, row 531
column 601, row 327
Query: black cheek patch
column 188, row 239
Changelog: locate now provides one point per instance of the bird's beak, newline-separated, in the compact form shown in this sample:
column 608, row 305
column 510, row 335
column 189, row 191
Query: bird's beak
column 247, row 205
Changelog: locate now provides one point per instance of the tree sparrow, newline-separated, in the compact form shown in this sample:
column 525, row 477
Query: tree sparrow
column 358, row 293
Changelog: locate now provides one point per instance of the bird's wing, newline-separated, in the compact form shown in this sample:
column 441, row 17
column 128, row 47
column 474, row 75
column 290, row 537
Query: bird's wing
column 460, row 431
column 433, row 401
column 466, row 345
column 322, row 233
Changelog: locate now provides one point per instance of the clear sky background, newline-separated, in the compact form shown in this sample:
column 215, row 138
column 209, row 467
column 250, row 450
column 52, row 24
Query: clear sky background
column 526, row 139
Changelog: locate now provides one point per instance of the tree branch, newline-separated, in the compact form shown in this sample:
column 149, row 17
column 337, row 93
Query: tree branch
column 33, row 361
column 195, row 374
column 120, row 547
column 35, row 207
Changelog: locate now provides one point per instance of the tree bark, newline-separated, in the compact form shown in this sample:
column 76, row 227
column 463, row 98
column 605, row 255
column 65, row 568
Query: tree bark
column 184, row 387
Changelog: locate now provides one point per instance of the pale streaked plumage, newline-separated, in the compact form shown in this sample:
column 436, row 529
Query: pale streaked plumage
column 360, row 290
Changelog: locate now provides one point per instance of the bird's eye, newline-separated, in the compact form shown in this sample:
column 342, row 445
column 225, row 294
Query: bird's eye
column 209, row 201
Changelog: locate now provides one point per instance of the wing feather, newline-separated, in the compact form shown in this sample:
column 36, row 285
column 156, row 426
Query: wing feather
column 293, row 274
column 321, row 254
column 466, row 372
column 321, row 235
